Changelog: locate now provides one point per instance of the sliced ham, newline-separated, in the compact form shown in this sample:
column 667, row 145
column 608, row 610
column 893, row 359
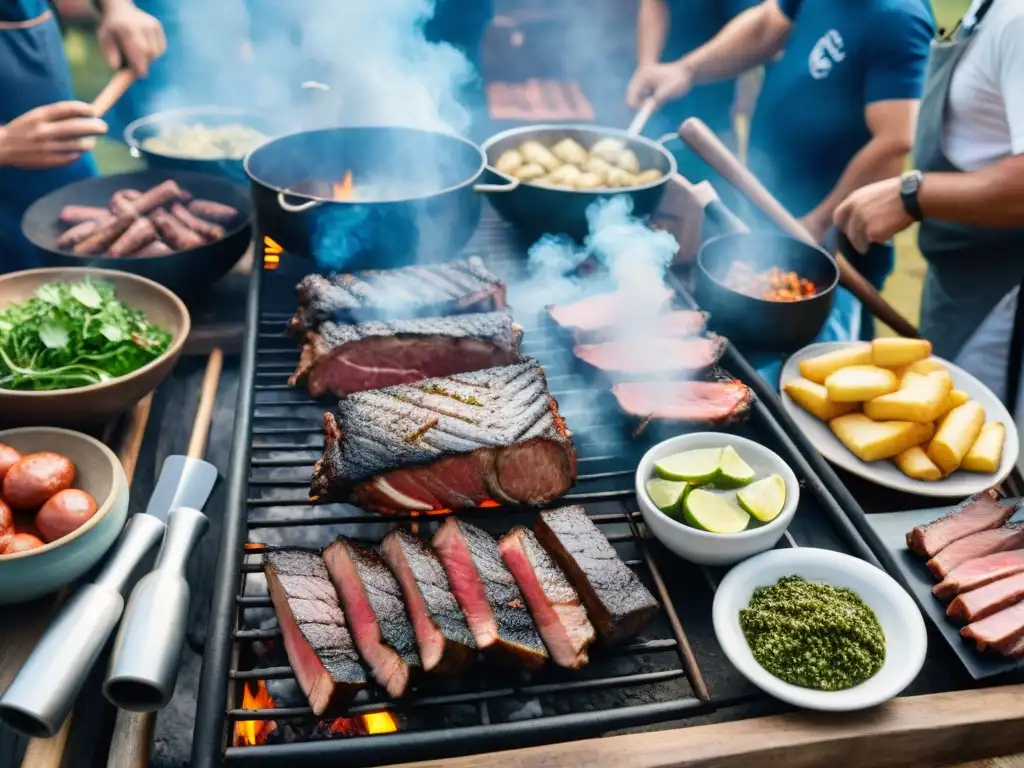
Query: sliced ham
column 980, row 512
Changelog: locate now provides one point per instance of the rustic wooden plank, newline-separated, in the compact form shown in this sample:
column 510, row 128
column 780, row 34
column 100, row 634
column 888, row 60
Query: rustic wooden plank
column 935, row 730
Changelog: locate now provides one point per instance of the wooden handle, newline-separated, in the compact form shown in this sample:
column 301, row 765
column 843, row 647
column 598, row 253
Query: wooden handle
column 204, row 413
column 113, row 91
column 705, row 143
column 714, row 208
column 642, row 116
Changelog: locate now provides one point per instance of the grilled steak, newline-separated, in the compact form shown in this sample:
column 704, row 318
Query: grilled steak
column 690, row 402
column 653, row 356
column 488, row 594
column 340, row 359
column 449, row 288
column 596, row 313
column 999, row 629
column 446, row 644
column 978, row 513
column 448, row 443
column 318, row 644
column 1014, row 649
column 617, row 602
column 553, row 603
column 984, row 601
column 979, row 572
column 1010, row 536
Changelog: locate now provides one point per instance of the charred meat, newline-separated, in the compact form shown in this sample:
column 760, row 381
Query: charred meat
column 980, row 512
column 984, row 601
column 491, row 601
column 688, row 402
column 448, row 443
column 449, row 288
column 617, row 602
column 1009, row 536
column 341, row 359
column 445, row 642
column 979, row 572
column 373, row 605
column 316, row 639
column 553, row 603
column 660, row 357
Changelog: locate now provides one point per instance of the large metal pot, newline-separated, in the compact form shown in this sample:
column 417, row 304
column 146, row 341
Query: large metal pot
column 536, row 210
column 413, row 195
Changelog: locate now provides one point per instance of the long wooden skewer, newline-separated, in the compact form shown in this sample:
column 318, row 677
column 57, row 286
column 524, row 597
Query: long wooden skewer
column 113, row 91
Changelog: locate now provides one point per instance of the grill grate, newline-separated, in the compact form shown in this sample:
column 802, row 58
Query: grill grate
column 657, row 678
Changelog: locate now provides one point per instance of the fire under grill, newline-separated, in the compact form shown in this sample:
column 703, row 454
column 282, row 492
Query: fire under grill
column 673, row 671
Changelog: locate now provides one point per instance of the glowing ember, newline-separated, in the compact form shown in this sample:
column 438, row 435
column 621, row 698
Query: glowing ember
column 343, row 189
column 489, row 503
column 251, row 732
column 271, row 253
column 254, row 545
column 380, row 722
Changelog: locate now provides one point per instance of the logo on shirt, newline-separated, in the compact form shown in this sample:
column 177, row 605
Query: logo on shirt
column 827, row 51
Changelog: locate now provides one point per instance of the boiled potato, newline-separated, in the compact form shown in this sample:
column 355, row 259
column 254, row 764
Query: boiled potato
column 817, row 369
column 620, row 178
column 529, row 172
column 608, row 149
column 535, row 152
column 924, row 366
column 957, row 434
column 510, row 161
column 859, row 383
column 649, row 176
column 588, row 180
column 814, row 398
column 914, row 462
column 598, row 167
column 566, row 176
column 627, row 161
column 893, row 351
column 987, row 452
column 569, row 151
column 920, row 398
column 876, row 440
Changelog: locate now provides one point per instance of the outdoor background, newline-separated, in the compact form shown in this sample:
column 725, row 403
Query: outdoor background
column 90, row 74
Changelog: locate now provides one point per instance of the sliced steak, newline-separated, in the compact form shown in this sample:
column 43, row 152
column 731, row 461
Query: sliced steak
column 653, row 356
column 373, row 605
column 445, row 642
column 341, row 359
column 617, row 602
column 316, row 639
column 999, row 629
column 979, row 572
column 980, row 512
column 688, row 402
column 553, row 603
column 491, row 601
column 1009, row 536
column 595, row 314
column 984, row 601
column 449, row 288
column 448, row 443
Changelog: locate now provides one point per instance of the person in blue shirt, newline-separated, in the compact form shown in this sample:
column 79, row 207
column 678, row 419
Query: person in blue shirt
column 837, row 111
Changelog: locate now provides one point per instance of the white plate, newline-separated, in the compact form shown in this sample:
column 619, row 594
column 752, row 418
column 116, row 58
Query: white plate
column 906, row 641
column 960, row 484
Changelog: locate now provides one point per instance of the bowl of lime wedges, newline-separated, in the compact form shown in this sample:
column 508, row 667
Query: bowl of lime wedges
column 714, row 498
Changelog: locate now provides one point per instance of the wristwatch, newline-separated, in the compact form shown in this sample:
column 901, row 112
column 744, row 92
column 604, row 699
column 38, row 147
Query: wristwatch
column 910, row 183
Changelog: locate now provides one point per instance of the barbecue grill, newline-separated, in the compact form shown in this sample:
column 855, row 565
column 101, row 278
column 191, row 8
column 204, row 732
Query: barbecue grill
column 673, row 671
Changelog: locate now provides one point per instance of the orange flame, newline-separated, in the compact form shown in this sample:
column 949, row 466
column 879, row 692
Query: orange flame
column 271, row 253
column 343, row 189
column 380, row 722
column 251, row 732
column 489, row 503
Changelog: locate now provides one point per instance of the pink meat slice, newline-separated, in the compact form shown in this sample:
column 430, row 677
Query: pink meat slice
column 653, row 356
column 711, row 402
column 998, row 629
column 984, row 601
column 595, row 312
column 980, row 512
column 1009, row 536
column 979, row 572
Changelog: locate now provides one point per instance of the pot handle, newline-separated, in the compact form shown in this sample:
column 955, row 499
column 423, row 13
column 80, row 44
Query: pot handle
column 296, row 207
column 491, row 189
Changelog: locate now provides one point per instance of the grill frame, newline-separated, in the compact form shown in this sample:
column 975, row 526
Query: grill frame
column 215, row 716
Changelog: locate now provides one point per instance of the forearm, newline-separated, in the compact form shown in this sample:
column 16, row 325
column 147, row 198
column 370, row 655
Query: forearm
column 993, row 197
column 745, row 42
column 652, row 25
column 881, row 158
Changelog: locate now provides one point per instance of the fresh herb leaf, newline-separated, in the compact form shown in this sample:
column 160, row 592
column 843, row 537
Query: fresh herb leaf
column 112, row 332
column 53, row 336
column 49, row 293
column 86, row 294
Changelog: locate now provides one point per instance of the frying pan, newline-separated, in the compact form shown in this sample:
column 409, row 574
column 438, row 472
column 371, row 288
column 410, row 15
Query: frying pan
column 184, row 272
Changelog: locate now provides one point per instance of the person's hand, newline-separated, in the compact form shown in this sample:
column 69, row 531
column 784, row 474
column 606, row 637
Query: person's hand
column 816, row 225
column 50, row 136
column 873, row 214
column 130, row 37
column 662, row 82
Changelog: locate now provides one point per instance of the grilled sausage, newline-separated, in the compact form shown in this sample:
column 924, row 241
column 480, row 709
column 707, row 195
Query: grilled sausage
column 7, row 529
column 22, row 542
column 64, row 512
column 210, row 232
column 159, row 196
column 35, row 477
column 8, row 456
column 121, row 202
column 140, row 234
column 79, row 232
column 176, row 234
column 213, row 211
column 102, row 237
column 76, row 214
column 156, row 248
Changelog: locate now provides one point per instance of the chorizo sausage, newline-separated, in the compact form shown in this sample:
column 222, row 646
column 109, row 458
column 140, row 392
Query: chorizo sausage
column 76, row 234
column 35, row 477
column 64, row 512
column 76, row 214
column 213, row 211
column 8, row 456
column 210, row 232
column 159, row 196
column 22, row 542
column 176, row 234
column 121, row 202
column 140, row 234
column 156, row 248
column 102, row 237
column 7, row 529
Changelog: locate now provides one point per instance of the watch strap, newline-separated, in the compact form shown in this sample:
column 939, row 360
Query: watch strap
column 910, row 183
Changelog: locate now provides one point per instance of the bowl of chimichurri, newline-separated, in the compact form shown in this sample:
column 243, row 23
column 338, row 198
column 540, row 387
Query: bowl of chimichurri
column 819, row 629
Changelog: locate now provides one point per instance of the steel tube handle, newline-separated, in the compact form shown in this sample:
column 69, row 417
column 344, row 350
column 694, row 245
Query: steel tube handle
column 44, row 690
column 295, row 207
column 511, row 183
column 147, row 653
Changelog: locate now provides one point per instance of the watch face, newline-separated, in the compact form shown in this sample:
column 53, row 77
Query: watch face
column 909, row 183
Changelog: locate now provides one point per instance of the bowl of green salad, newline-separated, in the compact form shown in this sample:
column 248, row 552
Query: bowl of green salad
column 81, row 345
column 714, row 498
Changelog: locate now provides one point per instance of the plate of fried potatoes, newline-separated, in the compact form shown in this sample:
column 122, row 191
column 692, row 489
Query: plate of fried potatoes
column 890, row 412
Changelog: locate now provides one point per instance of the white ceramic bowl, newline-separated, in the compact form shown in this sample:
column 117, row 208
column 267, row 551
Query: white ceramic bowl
column 906, row 641
column 717, row 548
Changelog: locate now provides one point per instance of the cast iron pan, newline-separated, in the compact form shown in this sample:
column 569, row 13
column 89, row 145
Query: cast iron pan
column 185, row 272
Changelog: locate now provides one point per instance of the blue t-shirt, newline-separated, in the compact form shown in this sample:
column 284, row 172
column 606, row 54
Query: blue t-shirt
column 841, row 56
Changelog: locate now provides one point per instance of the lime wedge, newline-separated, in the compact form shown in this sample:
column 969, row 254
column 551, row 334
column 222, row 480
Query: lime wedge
column 715, row 514
column 733, row 471
column 697, row 467
column 764, row 499
column 667, row 495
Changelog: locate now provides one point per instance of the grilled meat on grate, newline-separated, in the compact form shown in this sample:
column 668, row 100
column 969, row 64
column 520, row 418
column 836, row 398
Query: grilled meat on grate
column 978, row 513
column 617, row 602
column 448, row 443
column 340, row 359
column 597, row 313
column 445, row 642
column 665, row 357
column 448, row 288
column 487, row 592
column 687, row 402
column 316, row 639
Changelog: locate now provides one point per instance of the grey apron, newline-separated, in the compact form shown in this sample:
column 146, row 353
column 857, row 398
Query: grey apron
column 970, row 269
